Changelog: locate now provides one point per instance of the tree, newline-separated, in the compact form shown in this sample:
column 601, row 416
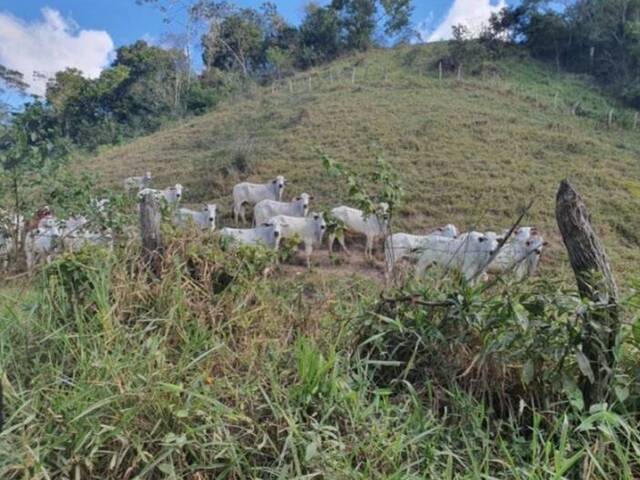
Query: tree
column 319, row 36
column 359, row 20
column 234, row 40
column 31, row 152
column 10, row 80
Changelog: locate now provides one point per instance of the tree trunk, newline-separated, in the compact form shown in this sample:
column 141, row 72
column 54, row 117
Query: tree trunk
column 601, row 323
column 150, row 217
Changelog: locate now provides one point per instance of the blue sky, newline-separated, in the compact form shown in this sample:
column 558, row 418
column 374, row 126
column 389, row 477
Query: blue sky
column 48, row 35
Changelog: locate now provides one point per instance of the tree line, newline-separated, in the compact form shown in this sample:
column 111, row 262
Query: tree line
column 600, row 38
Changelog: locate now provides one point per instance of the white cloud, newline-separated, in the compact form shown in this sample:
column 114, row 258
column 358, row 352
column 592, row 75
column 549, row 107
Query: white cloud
column 472, row 13
column 49, row 45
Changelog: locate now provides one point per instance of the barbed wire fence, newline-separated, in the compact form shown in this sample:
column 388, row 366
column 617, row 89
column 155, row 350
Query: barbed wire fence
column 361, row 74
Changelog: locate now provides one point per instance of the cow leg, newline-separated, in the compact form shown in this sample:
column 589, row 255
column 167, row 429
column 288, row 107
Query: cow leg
column 308, row 249
column 342, row 244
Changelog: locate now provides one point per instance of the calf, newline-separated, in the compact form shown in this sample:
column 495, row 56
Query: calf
column 172, row 195
column 267, row 234
column 82, row 238
column 372, row 226
column 42, row 242
column 520, row 255
column 205, row 218
column 468, row 253
column 266, row 209
column 252, row 193
column 137, row 183
column 309, row 229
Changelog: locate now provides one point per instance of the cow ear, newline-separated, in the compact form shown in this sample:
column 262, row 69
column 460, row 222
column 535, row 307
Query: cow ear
column 312, row 197
column 267, row 224
column 274, row 182
column 298, row 199
column 482, row 239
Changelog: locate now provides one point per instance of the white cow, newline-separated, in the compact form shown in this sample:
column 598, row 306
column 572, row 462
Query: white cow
column 520, row 255
column 267, row 234
column 266, row 209
column 205, row 218
column 172, row 195
column 373, row 226
column 401, row 245
column 43, row 242
column 137, row 183
column 309, row 230
column 469, row 253
column 81, row 238
column 251, row 193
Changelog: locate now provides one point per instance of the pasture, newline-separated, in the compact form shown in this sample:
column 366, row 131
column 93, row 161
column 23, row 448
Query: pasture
column 240, row 363
column 470, row 153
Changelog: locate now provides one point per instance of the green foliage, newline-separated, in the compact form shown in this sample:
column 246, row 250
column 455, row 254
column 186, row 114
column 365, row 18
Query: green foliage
column 218, row 369
column 588, row 36
column 384, row 177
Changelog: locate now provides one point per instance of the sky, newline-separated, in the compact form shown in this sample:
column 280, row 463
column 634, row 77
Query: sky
column 40, row 37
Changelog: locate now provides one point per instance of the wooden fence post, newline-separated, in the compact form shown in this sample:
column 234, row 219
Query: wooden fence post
column 353, row 76
column 459, row 72
column 152, row 247
column 290, row 86
column 610, row 118
column 635, row 121
column 601, row 323
column 309, row 82
column 440, row 70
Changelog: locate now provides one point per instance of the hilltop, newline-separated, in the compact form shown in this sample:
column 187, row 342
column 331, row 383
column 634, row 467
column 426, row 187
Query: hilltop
column 471, row 152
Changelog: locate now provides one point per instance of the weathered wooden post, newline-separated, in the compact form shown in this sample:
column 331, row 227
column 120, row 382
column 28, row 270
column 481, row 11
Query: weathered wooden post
column 601, row 324
column 309, row 83
column 150, row 217
column 635, row 121
column 290, row 86
column 440, row 70
column 353, row 76
column 460, row 72
column 610, row 118
column 555, row 101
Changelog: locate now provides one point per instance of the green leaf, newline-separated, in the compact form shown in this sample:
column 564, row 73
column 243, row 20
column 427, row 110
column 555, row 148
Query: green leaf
column 585, row 366
column 167, row 469
column 622, row 392
column 311, row 451
column 636, row 330
column 522, row 315
column 573, row 393
column 528, row 371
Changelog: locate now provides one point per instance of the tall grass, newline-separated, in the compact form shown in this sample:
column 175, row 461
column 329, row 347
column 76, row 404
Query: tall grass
column 225, row 368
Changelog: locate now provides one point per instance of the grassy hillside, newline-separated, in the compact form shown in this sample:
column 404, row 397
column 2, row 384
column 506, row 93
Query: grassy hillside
column 225, row 364
column 470, row 152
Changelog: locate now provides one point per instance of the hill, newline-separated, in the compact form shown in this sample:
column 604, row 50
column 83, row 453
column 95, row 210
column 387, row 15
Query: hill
column 470, row 151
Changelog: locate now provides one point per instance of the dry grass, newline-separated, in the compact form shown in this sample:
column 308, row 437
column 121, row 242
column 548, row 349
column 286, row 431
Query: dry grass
column 469, row 152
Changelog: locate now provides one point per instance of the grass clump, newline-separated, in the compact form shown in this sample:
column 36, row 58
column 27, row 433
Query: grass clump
column 224, row 367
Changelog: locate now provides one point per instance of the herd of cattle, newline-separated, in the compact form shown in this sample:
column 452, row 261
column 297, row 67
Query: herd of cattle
column 471, row 253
